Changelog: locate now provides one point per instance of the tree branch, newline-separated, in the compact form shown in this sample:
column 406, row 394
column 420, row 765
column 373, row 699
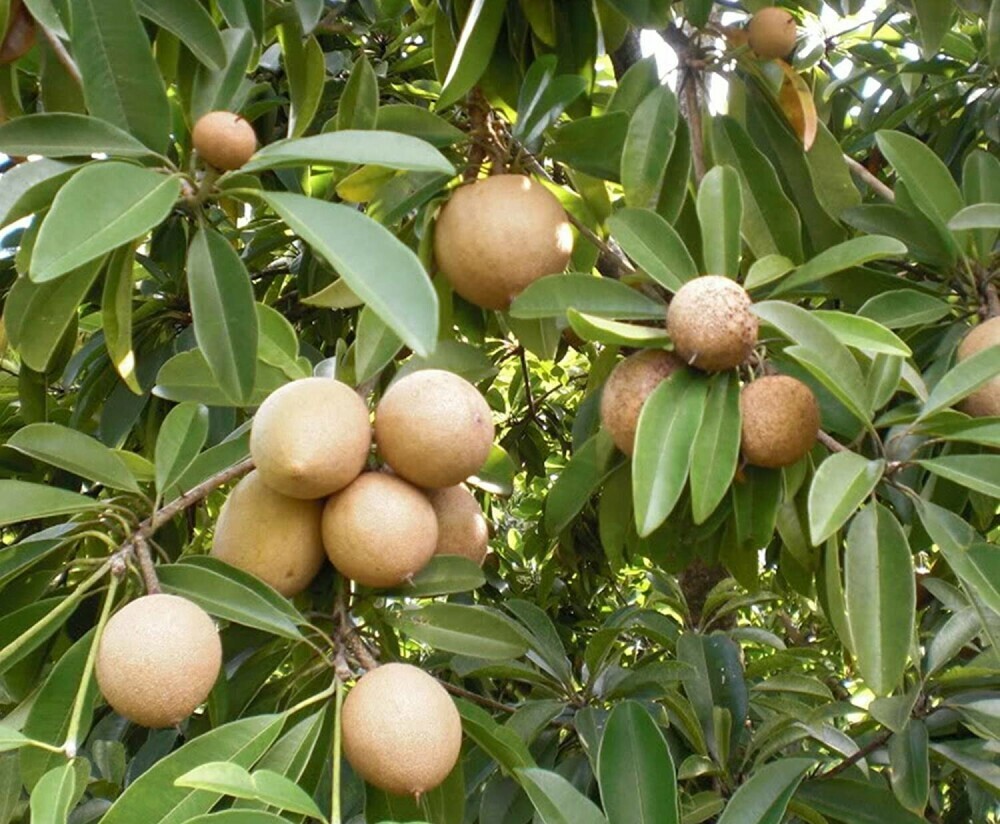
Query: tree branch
column 873, row 182
column 864, row 752
column 829, row 442
column 61, row 54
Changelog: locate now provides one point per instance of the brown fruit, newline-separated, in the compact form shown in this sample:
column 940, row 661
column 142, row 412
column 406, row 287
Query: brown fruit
column 497, row 235
column 462, row 529
column 780, row 421
column 626, row 390
column 20, row 35
column 158, row 659
column 985, row 401
column 224, row 140
column 270, row 535
column 380, row 531
column 311, row 437
column 772, row 33
column 401, row 730
column 433, row 428
column 710, row 322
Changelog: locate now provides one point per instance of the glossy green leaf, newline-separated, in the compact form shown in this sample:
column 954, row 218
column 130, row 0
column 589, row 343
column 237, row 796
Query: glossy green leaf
column 648, row 144
column 61, row 134
column 764, row 798
column 927, row 179
column 716, row 448
column 935, row 19
column 962, row 380
column 592, row 145
column 556, row 800
column 24, row 501
column 580, row 479
column 473, row 50
column 278, row 603
column 858, row 802
column 263, row 785
column 358, row 105
column 75, row 452
column 861, row 333
column 116, row 314
column 904, row 308
column 910, row 766
column 720, row 212
column 981, row 185
column 979, row 216
column 192, row 25
column 497, row 474
column 982, row 770
column 375, row 345
column 443, row 575
column 843, row 256
column 217, row 89
column 654, row 245
column 481, row 632
column 55, row 795
column 978, row 472
column 838, row 488
column 306, row 71
column 30, row 187
column 388, row 149
column 188, row 377
column 11, row 739
column 543, row 98
column 501, row 743
column 17, row 558
column 552, row 295
column 181, row 437
column 416, row 121
column 238, row 817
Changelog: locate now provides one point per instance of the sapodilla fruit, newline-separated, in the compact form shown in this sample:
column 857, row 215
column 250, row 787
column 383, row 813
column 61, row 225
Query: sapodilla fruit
column 985, row 401
column 277, row 538
column 20, row 34
column 497, row 235
column 780, row 421
column 710, row 322
column 462, row 528
column 311, row 437
column 379, row 531
column 433, row 428
column 401, row 731
column 158, row 659
column 628, row 386
column 772, row 33
column 224, row 140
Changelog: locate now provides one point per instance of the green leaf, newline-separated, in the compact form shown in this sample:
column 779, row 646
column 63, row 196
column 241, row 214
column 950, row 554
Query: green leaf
column 859, row 803
column 182, row 435
column 481, row 632
column 444, row 575
column 667, row 427
column 222, row 307
column 23, row 555
column 881, row 596
column 979, row 216
column 962, row 380
column 556, row 800
column 497, row 474
column 306, row 70
column 635, row 769
column 720, row 211
column 552, row 295
column 375, row 345
column 358, row 105
column 654, row 245
column 978, row 472
column 861, row 333
column 910, row 766
column 116, row 314
column 121, row 81
column 648, row 144
column 764, row 798
column 935, row 18
column 981, row 185
column 716, row 448
column 191, row 23
column 238, row 817
column 377, row 266
column 592, row 145
column 188, row 377
column 278, row 603
column 502, row 744
column 983, row 770
column 23, row 501
column 578, row 482
column 993, row 34
column 388, row 149
column 463, row 359
column 102, row 207
column 838, row 488
column 543, row 98
column 416, row 121
column 75, row 452
column 925, row 176
column 474, row 49
column 55, row 795
column 60, row 134
column 30, row 187
column 544, row 638
column 843, row 256
column 264, row 785
column 216, row 89
column 11, row 739
column 903, row 308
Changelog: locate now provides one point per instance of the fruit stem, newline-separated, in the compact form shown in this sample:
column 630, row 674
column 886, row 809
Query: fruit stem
column 829, row 442
column 873, row 182
column 338, row 707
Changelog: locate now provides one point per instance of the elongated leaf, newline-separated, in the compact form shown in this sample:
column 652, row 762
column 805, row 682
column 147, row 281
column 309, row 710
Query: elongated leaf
column 388, row 149
column 54, row 796
column 861, row 333
column 654, row 245
column 844, row 255
column 416, row 121
column 263, row 785
column 29, row 187
column 855, row 801
column 556, row 800
column 978, row 472
column 60, row 134
column 910, row 765
column 935, row 18
column 552, row 295
column 838, row 488
column 962, row 380
column 116, row 314
column 444, row 575
column 927, row 179
column 182, row 435
column 578, row 482
column 75, row 452
column 978, row 216
column 358, row 105
column 481, row 632
column 192, row 24
column 216, row 89
column 982, row 770
column 590, row 327
column 592, row 145
column 720, row 211
column 238, row 817
column 903, row 308
column 648, row 144
column 764, row 798
column 23, row 501
column 502, row 744
column 474, row 49
column 716, row 449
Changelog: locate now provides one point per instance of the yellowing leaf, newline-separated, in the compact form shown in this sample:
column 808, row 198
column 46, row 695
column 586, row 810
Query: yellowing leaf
column 796, row 101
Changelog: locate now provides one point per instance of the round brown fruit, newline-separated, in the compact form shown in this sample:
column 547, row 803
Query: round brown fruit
column 462, row 529
column 270, row 535
column 497, row 235
column 158, row 659
column 629, row 384
column 985, row 401
column 772, row 33
column 311, row 437
column 401, row 730
column 711, row 324
column 20, row 35
column 433, row 428
column 380, row 531
column 780, row 421
column 224, row 140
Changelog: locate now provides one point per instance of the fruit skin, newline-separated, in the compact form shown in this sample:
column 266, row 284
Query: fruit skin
column 462, row 528
column 780, row 421
column 433, row 428
column 158, row 659
column 401, row 730
column 224, row 140
column 772, row 33
column 277, row 538
column 380, row 531
column 497, row 235
column 985, row 401
column 20, row 34
column 710, row 322
column 628, row 386
column 311, row 437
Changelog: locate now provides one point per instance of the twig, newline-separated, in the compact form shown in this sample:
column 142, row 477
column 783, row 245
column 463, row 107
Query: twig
column 476, row 697
column 691, row 68
column 864, row 752
column 876, row 185
column 528, row 397
column 829, row 442
column 62, row 55
column 146, row 566
column 992, row 300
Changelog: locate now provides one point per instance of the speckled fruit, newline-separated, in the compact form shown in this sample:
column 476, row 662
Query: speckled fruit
column 625, row 392
column 401, row 730
column 433, row 428
column 462, row 529
column 224, row 140
column 711, row 324
column 380, row 531
column 985, row 401
column 772, row 33
column 497, row 235
column 780, row 421
column 158, row 659
column 270, row 535
column 20, row 35
column 311, row 437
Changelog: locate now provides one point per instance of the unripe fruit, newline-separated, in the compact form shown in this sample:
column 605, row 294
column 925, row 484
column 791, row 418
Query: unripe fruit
column 772, row 33
column 401, row 731
column 628, row 386
column 462, row 529
column 224, row 140
column 497, row 235
column 780, row 421
column 270, row 535
column 20, row 35
column 710, row 322
column 433, row 428
column 380, row 531
column 158, row 659
column 311, row 437
column 985, row 401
